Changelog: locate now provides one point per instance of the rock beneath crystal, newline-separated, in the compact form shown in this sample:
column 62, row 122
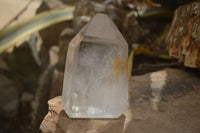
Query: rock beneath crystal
column 95, row 79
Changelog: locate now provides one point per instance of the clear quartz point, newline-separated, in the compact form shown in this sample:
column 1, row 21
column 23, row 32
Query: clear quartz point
column 95, row 79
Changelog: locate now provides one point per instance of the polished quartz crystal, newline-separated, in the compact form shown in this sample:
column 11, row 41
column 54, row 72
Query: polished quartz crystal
column 95, row 79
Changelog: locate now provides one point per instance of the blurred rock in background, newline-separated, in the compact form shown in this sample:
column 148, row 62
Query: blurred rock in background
column 183, row 39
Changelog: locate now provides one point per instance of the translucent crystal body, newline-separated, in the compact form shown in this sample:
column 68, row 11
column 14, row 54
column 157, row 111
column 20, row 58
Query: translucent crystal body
column 95, row 79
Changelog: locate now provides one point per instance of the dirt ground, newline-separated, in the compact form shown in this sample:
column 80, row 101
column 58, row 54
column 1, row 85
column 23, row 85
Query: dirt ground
column 177, row 116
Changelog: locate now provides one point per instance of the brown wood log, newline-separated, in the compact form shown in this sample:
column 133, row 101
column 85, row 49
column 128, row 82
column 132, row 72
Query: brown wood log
column 183, row 39
column 166, row 101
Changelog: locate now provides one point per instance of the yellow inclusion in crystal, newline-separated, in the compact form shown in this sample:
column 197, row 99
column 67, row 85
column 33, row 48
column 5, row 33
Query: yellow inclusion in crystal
column 117, row 67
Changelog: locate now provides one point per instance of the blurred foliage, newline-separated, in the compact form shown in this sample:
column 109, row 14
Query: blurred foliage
column 11, row 35
column 130, row 63
column 153, row 14
column 173, row 4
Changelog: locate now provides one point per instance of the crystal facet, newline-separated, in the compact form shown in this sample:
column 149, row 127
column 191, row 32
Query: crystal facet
column 95, row 79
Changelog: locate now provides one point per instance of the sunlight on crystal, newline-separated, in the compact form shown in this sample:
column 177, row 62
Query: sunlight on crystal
column 75, row 108
column 93, row 110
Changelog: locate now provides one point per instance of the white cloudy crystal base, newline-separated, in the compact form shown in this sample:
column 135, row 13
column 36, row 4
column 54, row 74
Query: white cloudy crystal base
column 95, row 80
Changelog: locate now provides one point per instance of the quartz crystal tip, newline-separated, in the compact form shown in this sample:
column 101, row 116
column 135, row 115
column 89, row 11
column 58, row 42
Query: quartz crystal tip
column 95, row 79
